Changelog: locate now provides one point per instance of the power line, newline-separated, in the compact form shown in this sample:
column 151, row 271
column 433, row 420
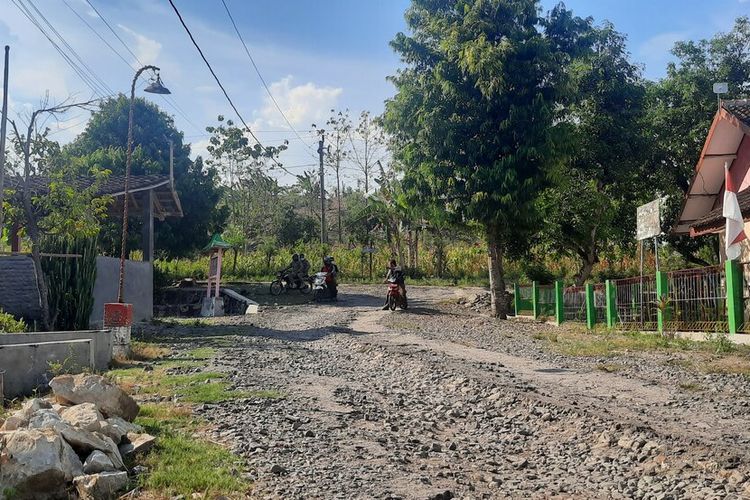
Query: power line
column 77, row 69
column 96, row 77
column 167, row 99
column 221, row 85
column 263, row 81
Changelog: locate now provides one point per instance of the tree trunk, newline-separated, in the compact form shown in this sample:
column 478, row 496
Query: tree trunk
column 589, row 257
column 36, row 257
column 338, row 197
column 497, row 283
column 234, row 262
column 410, row 248
column 416, row 250
column 439, row 256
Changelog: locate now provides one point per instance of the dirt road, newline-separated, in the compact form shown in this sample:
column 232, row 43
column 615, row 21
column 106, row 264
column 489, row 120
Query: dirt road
column 441, row 402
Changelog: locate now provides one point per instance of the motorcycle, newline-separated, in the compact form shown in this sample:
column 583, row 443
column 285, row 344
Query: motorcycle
column 320, row 287
column 395, row 298
column 284, row 283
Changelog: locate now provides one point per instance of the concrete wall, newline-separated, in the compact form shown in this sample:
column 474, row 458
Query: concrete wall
column 25, row 358
column 139, row 288
column 19, row 294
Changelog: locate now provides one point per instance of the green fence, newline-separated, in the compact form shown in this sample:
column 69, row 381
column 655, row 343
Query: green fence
column 708, row 299
column 523, row 298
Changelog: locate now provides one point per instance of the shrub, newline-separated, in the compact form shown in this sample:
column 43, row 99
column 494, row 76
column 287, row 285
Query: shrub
column 9, row 324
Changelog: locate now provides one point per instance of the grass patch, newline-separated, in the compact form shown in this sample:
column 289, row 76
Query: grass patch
column 202, row 353
column 204, row 387
column 181, row 464
column 690, row 386
column 609, row 367
column 146, row 351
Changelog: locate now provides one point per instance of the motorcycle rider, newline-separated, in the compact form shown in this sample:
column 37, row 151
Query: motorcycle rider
column 331, row 270
column 304, row 266
column 396, row 274
column 292, row 271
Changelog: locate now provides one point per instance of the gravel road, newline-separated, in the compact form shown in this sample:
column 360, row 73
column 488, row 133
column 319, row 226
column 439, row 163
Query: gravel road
column 441, row 402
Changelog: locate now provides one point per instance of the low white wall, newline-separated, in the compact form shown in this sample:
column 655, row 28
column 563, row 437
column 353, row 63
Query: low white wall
column 27, row 358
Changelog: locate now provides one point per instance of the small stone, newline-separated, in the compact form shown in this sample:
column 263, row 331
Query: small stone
column 138, row 443
column 278, row 470
column 309, row 434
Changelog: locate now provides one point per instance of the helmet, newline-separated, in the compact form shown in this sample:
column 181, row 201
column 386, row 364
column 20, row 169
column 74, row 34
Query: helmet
column 301, row 256
column 295, row 257
column 326, row 260
column 330, row 258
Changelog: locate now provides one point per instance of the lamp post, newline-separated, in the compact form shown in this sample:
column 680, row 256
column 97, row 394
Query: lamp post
column 155, row 87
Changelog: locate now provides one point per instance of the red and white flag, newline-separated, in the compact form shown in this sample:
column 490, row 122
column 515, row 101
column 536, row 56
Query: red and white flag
column 735, row 224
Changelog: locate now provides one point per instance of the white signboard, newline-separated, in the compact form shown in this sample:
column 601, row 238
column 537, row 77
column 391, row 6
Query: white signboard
column 648, row 220
column 368, row 250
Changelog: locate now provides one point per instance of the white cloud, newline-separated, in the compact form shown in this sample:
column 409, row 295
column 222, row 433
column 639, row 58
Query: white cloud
column 146, row 49
column 302, row 104
column 199, row 148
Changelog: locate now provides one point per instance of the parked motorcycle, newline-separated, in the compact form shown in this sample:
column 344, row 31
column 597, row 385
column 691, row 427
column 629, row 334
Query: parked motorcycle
column 320, row 287
column 284, row 283
column 395, row 298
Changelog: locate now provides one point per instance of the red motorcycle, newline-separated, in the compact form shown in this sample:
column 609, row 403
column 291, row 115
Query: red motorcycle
column 395, row 298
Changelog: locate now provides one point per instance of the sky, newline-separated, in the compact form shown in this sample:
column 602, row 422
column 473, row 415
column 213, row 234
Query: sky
column 314, row 56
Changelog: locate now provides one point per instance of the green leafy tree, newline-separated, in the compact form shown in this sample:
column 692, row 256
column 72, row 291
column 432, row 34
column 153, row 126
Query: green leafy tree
column 593, row 202
column 681, row 107
column 64, row 207
column 475, row 113
column 104, row 142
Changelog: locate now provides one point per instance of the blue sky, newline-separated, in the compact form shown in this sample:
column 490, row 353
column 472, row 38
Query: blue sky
column 314, row 55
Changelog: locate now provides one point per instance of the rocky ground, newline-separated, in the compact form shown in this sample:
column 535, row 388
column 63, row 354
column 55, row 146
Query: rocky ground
column 442, row 402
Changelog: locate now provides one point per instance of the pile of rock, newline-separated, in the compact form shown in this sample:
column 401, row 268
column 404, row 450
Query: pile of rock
column 74, row 441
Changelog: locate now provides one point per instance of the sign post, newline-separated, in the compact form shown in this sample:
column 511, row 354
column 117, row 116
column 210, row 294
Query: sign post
column 648, row 225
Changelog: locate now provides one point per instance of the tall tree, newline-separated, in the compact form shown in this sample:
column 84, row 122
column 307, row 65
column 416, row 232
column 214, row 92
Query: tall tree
column 62, row 205
column 474, row 113
column 338, row 128
column 593, row 202
column 368, row 146
column 197, row 186
column 250, row 195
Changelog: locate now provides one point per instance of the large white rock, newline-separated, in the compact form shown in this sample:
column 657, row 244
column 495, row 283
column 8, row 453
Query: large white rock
column 101, row 486
column 83, row 442
column 85, row 416
column 20, row 418
column 37, row 463
column 122, row 428
column 110, row 399
column 97, row 462
column 138, row 443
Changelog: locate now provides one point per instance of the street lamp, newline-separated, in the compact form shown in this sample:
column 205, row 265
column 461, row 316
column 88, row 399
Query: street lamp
column 155, row 87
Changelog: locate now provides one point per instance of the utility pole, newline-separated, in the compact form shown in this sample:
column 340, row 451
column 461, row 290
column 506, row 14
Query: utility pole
column 321, row 150
column 3, row 124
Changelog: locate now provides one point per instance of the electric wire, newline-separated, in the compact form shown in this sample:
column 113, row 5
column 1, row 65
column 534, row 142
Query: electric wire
column 76, row 69
column 260, row 76
column 102, row 84
column 221, row 86
column 173, row 104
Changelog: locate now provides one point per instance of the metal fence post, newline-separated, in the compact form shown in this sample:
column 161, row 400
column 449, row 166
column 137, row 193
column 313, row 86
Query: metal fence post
column 559, row 302
column 662, row 297
column 590, row 307
column 735, row 312
column 516, row 298
column 611, row 292
column 535, row 299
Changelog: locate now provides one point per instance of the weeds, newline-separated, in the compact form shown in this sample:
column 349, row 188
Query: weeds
column 181, row 464
column 609, row 367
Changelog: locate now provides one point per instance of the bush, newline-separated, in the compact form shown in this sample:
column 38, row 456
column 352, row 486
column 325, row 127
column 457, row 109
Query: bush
column 9, row 324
